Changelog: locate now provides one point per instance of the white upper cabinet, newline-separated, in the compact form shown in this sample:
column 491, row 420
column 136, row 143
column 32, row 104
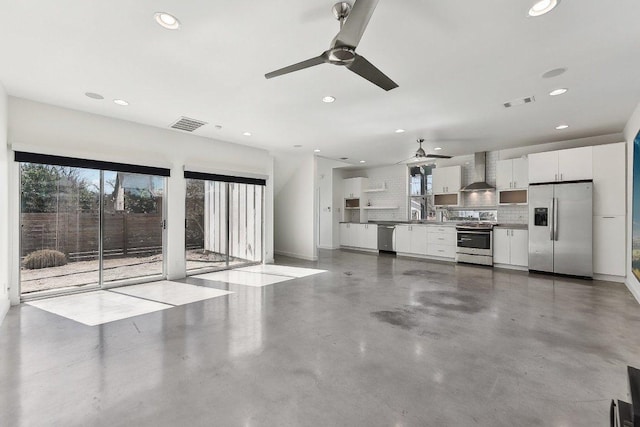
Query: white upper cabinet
column 574, row 164
column 609, row 179
column 353, row 187
column 512, row 174
column 520, row 173
column 543, row 167
column 447, row 180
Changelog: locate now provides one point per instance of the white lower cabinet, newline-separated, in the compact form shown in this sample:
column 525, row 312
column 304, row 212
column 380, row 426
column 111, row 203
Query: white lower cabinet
column 419, row 239
column 345, row 234
column 441, row 241
column 609, row 245
column 363, row 236
column 368, row 236
column 403, row 239
column 411, row 239
column 511, row 247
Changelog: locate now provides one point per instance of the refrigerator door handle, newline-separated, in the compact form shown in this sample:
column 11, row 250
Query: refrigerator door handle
column 551, row 218
column 555, row 219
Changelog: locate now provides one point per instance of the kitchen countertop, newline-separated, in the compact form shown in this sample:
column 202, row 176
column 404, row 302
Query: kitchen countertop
column 444, row 223
column 513, row 226
column 441, row 224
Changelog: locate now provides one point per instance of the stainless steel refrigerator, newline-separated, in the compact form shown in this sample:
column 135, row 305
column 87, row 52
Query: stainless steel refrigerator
column 560, row 228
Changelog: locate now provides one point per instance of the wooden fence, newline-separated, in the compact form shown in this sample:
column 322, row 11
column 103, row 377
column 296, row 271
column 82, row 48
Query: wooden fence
column 77, row 234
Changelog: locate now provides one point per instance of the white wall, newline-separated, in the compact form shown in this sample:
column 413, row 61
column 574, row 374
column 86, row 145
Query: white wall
column 328, row 210
column 630, row 132
column 48, row 129
column 295, row 201
column 4, row 208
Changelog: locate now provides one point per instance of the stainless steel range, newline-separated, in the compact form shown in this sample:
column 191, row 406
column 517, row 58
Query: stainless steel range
column 475, row 243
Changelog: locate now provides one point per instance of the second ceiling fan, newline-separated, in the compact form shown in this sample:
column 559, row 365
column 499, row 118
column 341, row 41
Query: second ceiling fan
column 342, row 51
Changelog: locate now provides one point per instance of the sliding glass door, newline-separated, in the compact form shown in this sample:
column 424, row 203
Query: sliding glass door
column 84, row 228
column 133, row 223
column 59, row 228
column 224, row 224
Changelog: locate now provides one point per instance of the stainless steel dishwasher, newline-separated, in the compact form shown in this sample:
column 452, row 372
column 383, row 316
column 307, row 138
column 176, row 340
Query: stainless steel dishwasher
column 385, row 238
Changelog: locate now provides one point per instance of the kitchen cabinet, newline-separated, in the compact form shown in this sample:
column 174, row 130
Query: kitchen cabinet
column 364, row 236
column 346, row 234
column 441, row 241
column 609, row 245
column 511, row 247
column 574, row 164
column 354, row 187
column 447, row 180
column 411, row 239
column 403, row 239
column 609, row 179
column 512, row 174
column 367, row 236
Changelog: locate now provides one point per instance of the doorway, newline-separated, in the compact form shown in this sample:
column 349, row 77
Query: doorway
column 84, row 228
column 224, row 226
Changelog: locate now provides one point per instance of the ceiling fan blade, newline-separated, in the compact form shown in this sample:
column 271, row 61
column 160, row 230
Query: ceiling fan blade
column 299, row 66
column 406, row 161
column 355, row 24
column 366, row 69
column 438, row 156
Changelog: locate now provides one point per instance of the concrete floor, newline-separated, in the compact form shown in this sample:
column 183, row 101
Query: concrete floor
column 376, row 341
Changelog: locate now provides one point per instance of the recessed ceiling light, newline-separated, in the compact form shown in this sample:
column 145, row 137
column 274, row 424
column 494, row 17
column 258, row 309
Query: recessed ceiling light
column 247, row 134
column 316, row 151
column 554, row 73
column 363, row 161
column 561, row 127
column 93, row 95
column 167, row 20
column 328, row 99
column 541, row 7
column 399, row 130
column 121, row 102
column 560, row 91
column 438, row 148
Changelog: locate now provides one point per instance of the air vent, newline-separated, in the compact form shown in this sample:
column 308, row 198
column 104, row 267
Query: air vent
column 521, row 101
column 344, row 158
column 188, row 125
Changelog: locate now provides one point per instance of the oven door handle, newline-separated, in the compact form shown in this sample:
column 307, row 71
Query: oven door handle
column 474, row 232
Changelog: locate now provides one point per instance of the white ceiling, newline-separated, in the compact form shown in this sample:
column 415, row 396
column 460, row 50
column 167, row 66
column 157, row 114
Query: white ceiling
column 456, row 61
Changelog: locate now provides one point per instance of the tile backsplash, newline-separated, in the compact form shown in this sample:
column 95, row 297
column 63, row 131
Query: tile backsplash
column 395, row 181
column 513, row 214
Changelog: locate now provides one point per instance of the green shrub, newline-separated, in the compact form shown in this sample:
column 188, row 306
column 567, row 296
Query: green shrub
column 43, row 259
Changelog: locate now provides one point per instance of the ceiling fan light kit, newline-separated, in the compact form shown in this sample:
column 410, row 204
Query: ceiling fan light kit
column 342, row 51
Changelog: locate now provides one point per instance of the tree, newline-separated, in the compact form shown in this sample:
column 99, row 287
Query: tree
column 48, row 188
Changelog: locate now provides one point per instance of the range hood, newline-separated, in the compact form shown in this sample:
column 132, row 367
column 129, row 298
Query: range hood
column 479, row 183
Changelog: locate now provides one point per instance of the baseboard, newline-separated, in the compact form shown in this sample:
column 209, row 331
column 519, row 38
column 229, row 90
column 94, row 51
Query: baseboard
column 634, row 287
column 4, row 308
column 510, row 267
column 609, row 278
column 295, row 255
column 331, row 248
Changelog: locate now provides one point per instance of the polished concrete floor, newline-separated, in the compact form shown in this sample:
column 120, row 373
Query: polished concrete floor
column 375, row 341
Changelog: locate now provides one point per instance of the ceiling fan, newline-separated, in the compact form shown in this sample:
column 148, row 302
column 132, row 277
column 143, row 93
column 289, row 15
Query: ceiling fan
column 421, row 155
column 342, row 51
